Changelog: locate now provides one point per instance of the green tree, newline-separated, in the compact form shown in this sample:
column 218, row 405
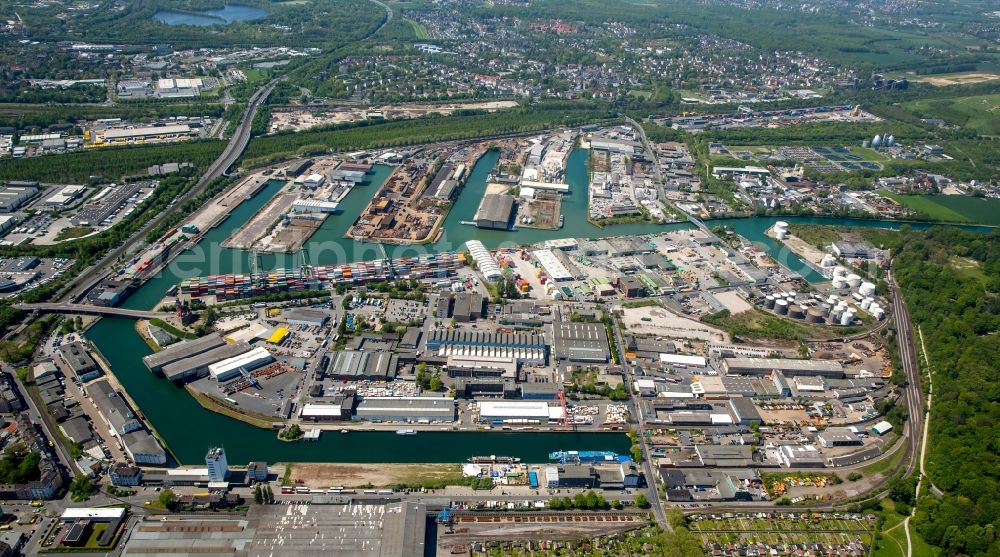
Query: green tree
column 168, row 499
column 258, row 494
column 81, row 487
column 641, row 501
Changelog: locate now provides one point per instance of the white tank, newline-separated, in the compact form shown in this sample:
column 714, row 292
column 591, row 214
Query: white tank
column 836, row 314
column 877, row 142
column 832, row 300
column 840, row 272
column 769, row 301
column 839, row 283
column 878, row 313
column 780, row 233
column 828, row 261
column 854, row 280
column 781, row 307
column 890, row 141
column 781, row 224
column 866, row 303
column 847, row 318
column 792, row 294
column 874, row 307
column 867, row 289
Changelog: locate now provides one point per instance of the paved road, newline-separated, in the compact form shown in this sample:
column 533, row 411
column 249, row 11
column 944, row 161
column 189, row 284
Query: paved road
column 93, row 310
column 241, row 137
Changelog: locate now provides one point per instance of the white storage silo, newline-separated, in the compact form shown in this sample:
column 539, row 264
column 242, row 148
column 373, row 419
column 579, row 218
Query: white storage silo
column 854, row 280
column 867, row 289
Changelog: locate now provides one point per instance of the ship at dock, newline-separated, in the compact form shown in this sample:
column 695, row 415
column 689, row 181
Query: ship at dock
column 585, row 457
column 406, row 432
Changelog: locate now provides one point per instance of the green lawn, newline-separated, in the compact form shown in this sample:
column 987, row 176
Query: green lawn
column 980, row 113
column 418, row 29
column 953, row 208
column 926, row 204
column 868, row 154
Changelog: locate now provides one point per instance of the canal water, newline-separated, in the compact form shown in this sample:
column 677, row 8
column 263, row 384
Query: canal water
column 189, row 429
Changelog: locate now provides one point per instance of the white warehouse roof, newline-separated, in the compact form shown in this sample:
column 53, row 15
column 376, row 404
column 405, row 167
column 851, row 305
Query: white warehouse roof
column 484, row 260
column 682, row 359
column 248, row 360
column 107, row 513
column 552, row 265
column 538, row 410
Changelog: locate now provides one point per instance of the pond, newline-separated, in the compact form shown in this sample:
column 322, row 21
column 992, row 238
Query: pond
column 224, row 16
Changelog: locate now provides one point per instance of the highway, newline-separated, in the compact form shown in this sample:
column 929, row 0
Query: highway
column 89, row 277
column 92, row 310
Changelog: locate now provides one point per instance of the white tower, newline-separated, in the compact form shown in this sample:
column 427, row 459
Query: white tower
column 218, row 468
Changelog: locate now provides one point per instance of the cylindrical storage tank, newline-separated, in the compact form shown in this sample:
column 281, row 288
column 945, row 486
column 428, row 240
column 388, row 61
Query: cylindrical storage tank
column 874, row 307
column 836, row 313
column 814, row 316
column 854, row 280
column 867, row 289
column 825, row 309
column 781, row 307
column 792, row 295
column 796, row 312
column 847, row 318
column 866, row 302
column 840, row 272
column 781, row 224
column 769, row 302
column 839, row 283
column 780, row 233
column 878, row 313
column 828, row 261
column 832, row 300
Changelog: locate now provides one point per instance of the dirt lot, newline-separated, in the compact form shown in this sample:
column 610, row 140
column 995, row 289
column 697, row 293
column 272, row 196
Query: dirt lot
column 665, row 323
column 733, row 302
column 298, row 120
column 317, row 475
column 964, row 78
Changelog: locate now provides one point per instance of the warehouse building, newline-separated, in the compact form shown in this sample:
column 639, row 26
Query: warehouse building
column 484, row 260
column 468, row 307
column 197, row 366
column 80, row 361
column 555, row 268
column 408, row 409
column 113, row 408
column 800, row 456
column 725, row 456
column 494, row 211
column 65, row 196
column 358, row 365
column 481, row 368
column 520, row 411
column 227, row 369
column 308, row 317
column 339, row 408
column 838, row 437
column 744, row 411
column 13, row 197
column 143, row 448
column 789, row 368
column 580, row 342
column 182, row 350
column 146, row 133
column 710, row 485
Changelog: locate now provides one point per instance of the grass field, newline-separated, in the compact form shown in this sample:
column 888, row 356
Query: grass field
column 418, row 29
column 953, row 208
column 815, row 235
column 979, row 113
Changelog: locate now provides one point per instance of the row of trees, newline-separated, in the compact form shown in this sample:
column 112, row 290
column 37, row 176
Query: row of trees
column 951, row 280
